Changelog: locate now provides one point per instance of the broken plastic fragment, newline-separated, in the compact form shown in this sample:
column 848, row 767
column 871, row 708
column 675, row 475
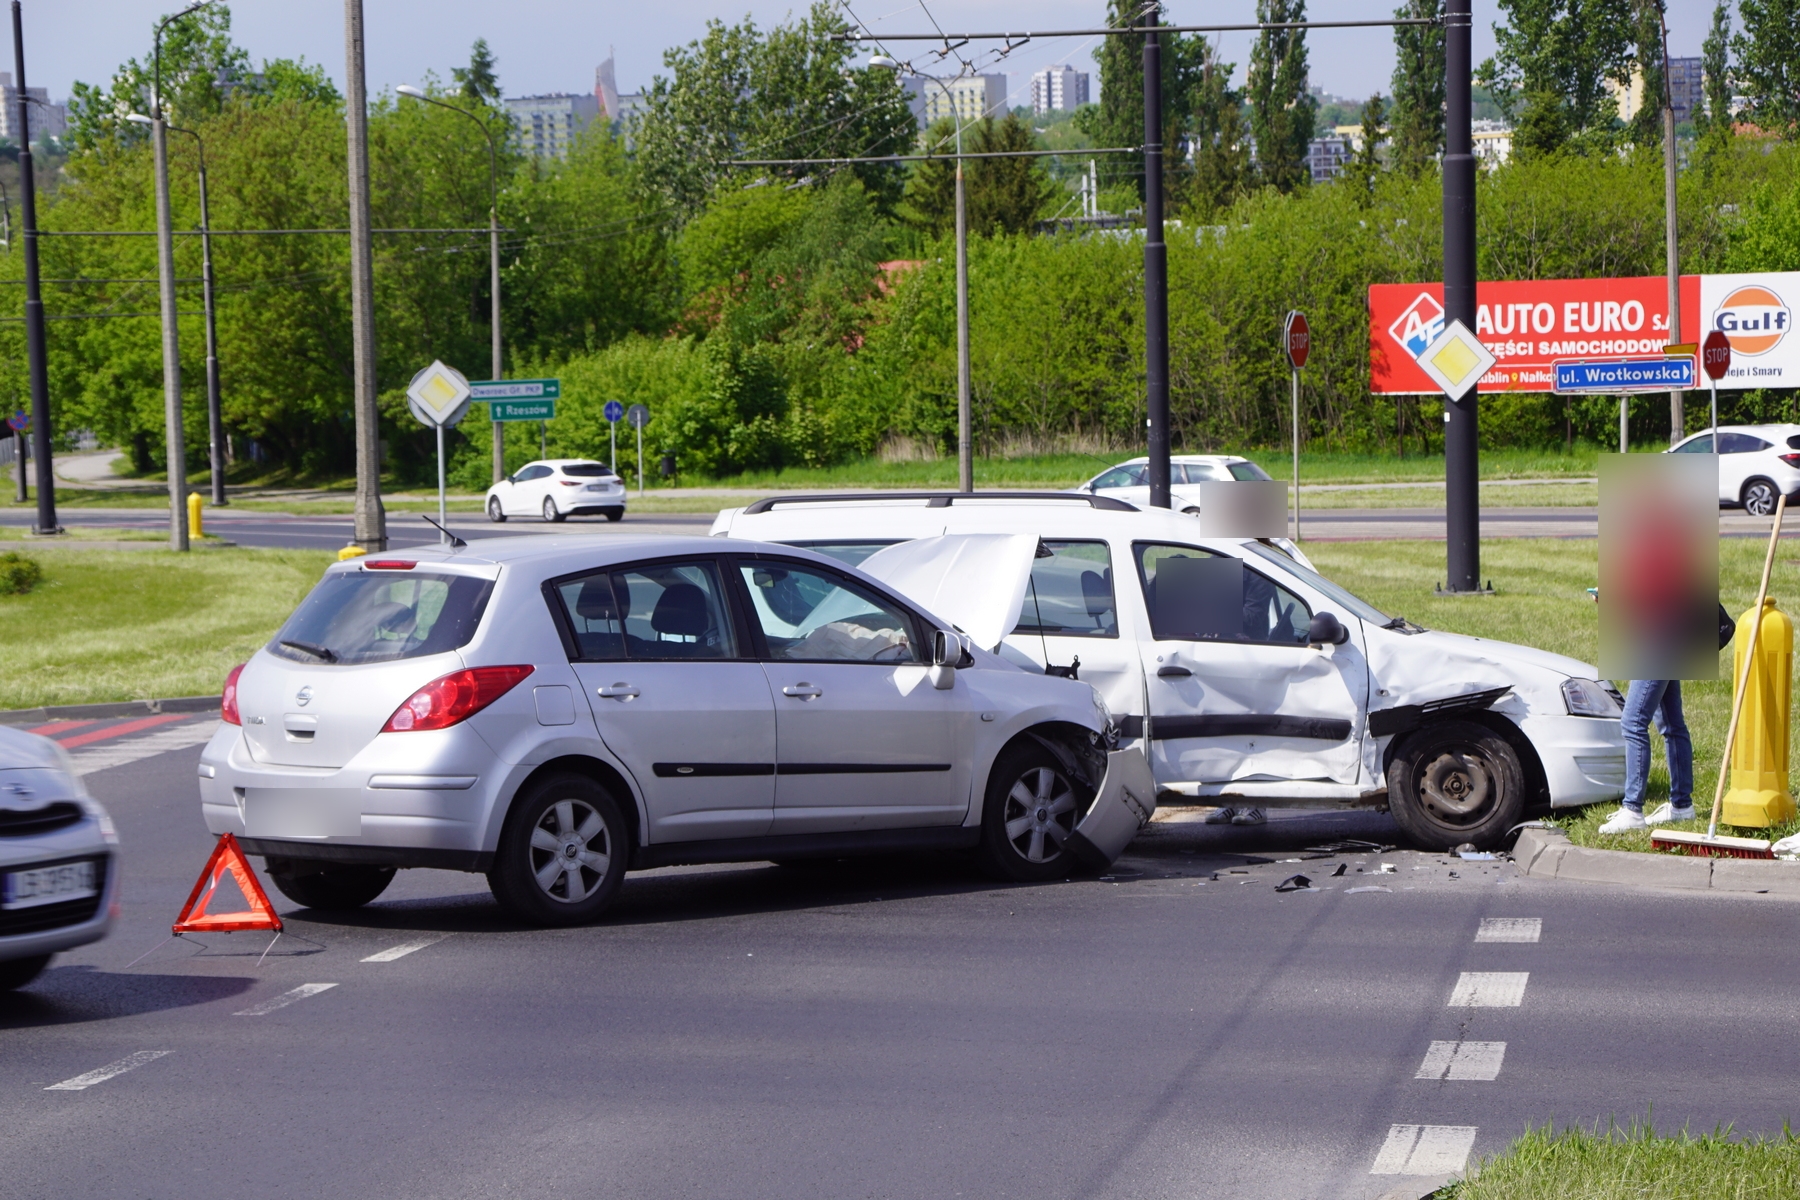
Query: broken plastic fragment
column 1295, row 883
column 1477, row 855
column 1385, row 869
column 1340, row 870
column 1373, row 887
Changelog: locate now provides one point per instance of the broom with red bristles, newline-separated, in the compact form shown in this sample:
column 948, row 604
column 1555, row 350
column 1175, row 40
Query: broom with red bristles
column 1710, row 844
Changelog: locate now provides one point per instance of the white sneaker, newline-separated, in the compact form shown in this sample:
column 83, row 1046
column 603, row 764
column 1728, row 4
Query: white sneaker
column 1665, row 815
column 1623, row 821
column 1250, row 816
column 1220, row 816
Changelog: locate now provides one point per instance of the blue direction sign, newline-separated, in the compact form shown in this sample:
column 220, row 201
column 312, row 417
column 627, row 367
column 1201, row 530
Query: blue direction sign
column 614, row 411
column 516, row 389
column 1672, row 372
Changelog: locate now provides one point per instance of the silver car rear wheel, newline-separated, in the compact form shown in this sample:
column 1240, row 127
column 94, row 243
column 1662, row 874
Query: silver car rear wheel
column 563, row 852
column 570, row 852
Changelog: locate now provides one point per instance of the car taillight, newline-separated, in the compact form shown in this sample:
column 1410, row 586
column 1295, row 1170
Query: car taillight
column 455, row 697
column 1792, row 460
column 570, row 482
column 228, row 708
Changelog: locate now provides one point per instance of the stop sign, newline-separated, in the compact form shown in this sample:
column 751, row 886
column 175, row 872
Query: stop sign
column 1296, row 338
column 1715, row 355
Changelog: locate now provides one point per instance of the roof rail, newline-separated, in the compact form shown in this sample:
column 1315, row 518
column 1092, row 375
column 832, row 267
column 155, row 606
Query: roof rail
column 941, row 499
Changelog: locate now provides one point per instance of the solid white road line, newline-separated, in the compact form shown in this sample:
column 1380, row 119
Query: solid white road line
column 1489, row 989
column 1424, row 1150
column 1510, row 929
column 101, row 1074
column 405, row 948
column 285, row 999
column 117, row 754
column 1462, row 1060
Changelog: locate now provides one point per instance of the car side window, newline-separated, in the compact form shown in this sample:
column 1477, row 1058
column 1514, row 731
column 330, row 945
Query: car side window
column 527, row 474
column 1740, row 443
column 673, row 610
column 1071, row 592
column 1206, row 473
column 1194, row 595
column 1247, row 470
column 1118, row 477
column 809, row 614
column 1700, row 445
column 593, row 617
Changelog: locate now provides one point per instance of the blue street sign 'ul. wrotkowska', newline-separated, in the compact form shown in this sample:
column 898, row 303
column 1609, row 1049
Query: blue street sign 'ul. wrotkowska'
column 1672, row 372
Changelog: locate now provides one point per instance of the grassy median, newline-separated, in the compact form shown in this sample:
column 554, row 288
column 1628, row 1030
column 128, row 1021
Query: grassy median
column 1635, row 1164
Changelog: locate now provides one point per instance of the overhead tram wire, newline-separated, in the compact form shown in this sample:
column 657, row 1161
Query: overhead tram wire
column 1019, row 39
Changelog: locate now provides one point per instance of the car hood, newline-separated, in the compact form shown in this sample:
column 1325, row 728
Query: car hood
column 1420, row 668
column 977, row 580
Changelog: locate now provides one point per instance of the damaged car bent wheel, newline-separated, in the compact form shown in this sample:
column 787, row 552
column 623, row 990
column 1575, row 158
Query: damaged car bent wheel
column 1033, row 805
column 1456, row 782
column 562, row 853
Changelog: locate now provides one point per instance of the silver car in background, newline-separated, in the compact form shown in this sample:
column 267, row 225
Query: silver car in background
column 59, row 879
column 552, row 710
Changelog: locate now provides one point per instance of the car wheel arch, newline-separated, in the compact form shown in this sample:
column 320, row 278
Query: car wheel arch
column 1537, row 783
column 598, row 770
column 1744, row 491
column 1074, row 746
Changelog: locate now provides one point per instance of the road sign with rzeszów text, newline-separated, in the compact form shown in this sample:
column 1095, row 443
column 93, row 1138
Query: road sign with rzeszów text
column 521, row 410
column 517, row 389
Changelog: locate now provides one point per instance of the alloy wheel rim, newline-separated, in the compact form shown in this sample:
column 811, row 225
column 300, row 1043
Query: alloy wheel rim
column 570, row 851
column 1039, row 814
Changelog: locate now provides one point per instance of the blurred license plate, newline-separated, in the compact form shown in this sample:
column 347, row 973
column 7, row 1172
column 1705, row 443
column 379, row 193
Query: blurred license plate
column 48, row 885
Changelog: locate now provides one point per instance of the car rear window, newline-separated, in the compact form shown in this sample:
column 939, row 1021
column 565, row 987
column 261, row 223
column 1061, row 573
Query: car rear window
column 378, row 616
column 1071, row 592
column 587, row 470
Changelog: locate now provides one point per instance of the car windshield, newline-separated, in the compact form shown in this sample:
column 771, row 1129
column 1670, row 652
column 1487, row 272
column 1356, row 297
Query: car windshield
column 587, row 470
column 377, row 616
column 1362, row 608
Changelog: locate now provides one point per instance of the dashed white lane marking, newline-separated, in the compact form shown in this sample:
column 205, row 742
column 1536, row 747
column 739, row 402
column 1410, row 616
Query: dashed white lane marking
column 130, row 1062
column 405, row 948
column 1462, row 1060
column 118, row 754
column 1424, row 1150
column 1510, row 929
column 286, row 998
column 1489, row 989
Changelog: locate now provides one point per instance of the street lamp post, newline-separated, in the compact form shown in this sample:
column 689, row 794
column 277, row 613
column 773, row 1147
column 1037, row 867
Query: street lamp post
column 34, row 302
column 407, row 89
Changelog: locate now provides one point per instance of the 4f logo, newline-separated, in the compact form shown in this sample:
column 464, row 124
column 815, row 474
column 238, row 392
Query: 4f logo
column 1419, row 325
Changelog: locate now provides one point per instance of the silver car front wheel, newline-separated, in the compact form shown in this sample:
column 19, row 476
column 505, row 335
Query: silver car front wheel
column 1032, row 808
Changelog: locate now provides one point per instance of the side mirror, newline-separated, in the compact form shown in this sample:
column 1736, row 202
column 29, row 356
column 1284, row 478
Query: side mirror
column 948, row 652
column 1326, row 630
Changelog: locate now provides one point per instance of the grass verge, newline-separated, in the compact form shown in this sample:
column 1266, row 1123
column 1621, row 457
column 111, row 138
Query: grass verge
column 1635, row 1164
column 132, row 625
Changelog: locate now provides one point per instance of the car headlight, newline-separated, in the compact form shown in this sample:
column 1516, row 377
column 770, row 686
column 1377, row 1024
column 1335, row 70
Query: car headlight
column 1591, row 698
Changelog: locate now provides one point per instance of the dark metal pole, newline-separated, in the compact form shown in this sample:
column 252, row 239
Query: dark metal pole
column 1461, row 463
column 371, row 517
column 1156, row 274
column 34, row 301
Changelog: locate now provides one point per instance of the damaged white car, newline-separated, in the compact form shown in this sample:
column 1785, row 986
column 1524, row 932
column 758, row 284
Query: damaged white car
column 1248, row 678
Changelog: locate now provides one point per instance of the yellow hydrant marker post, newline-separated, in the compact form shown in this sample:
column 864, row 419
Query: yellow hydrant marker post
column 194, row 527
column 1759, row 794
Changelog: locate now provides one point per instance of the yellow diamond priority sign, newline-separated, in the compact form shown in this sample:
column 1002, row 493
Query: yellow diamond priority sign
column 438, row 396
column 1456, row 361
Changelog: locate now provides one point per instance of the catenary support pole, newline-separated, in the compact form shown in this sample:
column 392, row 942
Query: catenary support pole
column 499, row 427
column 1462, row 468
column 1625, row 424
column 1672, row 260
column 175, row 449
column 640, row 433
column 1156, row 275
column 215, row 419
column 965, row 420
column 371, row 518
column 35, row 348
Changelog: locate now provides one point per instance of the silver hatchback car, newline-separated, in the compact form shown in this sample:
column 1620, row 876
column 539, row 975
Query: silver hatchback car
column 553, row 710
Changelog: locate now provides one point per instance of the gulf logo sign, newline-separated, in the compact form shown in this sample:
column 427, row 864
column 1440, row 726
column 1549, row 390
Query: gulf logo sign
column 1754, row 318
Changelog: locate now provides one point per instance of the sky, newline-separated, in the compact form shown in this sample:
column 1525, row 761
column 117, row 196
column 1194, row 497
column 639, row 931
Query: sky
column 555, row 45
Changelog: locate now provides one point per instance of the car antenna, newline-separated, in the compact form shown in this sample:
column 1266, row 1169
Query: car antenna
column 456, row 543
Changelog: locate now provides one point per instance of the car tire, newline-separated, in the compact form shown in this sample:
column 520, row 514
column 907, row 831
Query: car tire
column 1033, row 804
column 614, row 514
column 559, row 823
column 1759, row 497
column 1190, row 511
column 1453, row 783
column 551, row 513
column 495, row 513
column 17, row 972
column 328, row 887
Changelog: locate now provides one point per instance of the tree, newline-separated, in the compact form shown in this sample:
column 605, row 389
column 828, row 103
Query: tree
column 1002, row 195
column 1418, row 83
column 1365, row 167
column 794, row 93
column 1118, row 120
column 1222, row 168
column 1714, row 120
column 1768, row 63
column 1645, row 127
column 1559, row 54
column 1281, row 110
column 478, row 81
column 200, row 67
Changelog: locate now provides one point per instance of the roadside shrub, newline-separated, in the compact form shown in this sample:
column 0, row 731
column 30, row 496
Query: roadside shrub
column 18, row 574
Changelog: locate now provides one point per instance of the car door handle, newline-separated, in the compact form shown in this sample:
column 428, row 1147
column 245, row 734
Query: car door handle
column 619, row 691
column 802, row 691
column 1173, row 673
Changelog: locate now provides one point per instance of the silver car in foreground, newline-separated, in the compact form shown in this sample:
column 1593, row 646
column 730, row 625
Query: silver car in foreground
column 553, row 710
column 59, row 882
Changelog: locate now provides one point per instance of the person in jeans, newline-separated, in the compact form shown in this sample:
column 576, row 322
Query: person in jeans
column 1658, row 699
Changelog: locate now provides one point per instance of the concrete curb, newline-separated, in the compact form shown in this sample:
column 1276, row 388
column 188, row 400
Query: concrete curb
column 121, row 708
column 1548, row 854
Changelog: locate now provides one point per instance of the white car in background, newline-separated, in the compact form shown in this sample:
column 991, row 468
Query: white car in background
column 1758, row 464
column 558, row 488
column 1248, row 679
column 1130, row 481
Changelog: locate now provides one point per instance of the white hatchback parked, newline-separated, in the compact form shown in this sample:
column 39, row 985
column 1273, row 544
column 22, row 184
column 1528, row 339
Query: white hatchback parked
column 558, row 488
column 1243, row 674
column 1130, row 480
column 551, row 711
column 1758, row 464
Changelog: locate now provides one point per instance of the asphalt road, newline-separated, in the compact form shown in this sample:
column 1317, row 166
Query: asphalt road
column 897, row 1028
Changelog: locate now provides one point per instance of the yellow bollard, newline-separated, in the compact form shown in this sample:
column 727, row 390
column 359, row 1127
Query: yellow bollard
column 195, row 527
column 1759, row 794
column 351, row 551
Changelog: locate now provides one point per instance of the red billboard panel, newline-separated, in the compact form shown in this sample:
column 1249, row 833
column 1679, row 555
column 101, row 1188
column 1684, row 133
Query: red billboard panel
column 1526, row 324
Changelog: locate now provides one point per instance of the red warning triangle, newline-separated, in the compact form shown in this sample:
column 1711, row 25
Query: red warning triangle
column 227, row 856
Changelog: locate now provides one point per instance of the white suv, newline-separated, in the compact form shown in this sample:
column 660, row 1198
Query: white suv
column 558, row 488
column 1130, row 480
column 1757, row 464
